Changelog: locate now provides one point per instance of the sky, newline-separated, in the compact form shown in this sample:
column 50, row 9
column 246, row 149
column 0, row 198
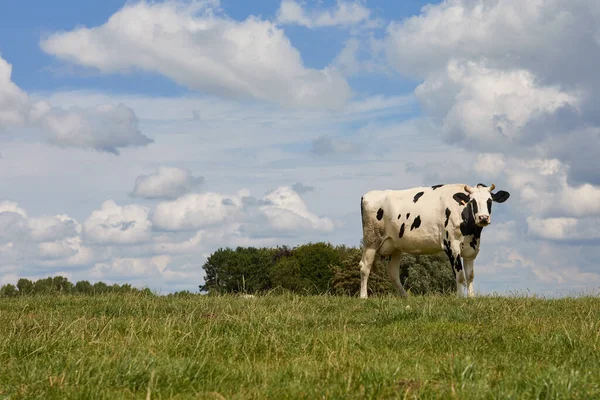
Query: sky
column 136, row 138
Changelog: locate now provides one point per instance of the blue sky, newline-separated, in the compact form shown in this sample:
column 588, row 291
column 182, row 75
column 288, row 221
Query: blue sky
column 136, row 138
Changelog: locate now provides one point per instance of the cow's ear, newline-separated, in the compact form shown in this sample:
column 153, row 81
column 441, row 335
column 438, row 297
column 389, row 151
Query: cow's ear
column 461, row 198
column 501, row 196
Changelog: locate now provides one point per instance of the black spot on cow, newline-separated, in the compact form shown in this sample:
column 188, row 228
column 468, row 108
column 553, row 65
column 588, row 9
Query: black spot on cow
column 481, row 185
column 416, row 223
column 473, row 243
column 489, row 204
column 399, row 216
column 446, row 234
column 474, row 206
column 436, row 186
column 448, row 251
column 468, row 226
column 447, row 217
column 379, row 214
column 401, row 231
column 458, row 265
column 407, row 215
column 417, row 196
column 461, row 198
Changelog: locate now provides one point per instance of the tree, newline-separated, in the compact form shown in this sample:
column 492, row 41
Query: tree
column 62, row 285
column 100, row 288
column 245, row 269
column 315, row 261
column 9, row 290
column 286, row 274
column 25, row 286
column 83, row 287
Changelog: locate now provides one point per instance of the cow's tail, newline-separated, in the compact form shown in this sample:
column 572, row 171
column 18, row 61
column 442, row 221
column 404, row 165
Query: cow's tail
column 362, row 209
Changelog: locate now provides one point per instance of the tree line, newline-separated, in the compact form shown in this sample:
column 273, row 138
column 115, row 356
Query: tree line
column 61, row 285
column 317, row 268
column 313, row 268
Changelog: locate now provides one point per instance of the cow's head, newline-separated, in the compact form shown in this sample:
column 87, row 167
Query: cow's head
column 479, row 202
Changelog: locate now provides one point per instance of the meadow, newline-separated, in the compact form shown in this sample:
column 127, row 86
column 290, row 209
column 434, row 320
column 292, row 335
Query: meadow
column 306, row 347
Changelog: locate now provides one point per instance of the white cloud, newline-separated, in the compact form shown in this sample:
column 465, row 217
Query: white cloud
column 122, row 268
column 114, row 224
column 14, row 103
column 500, row 76
column 166, row 183
column 542, row 185
column 287, row 212
column 53, row 228
column 196, row 48
column 12, row 207
column 571, row 229
column 194, row 211
column 60, row 249
column 100, row 127
column 281, row 210
column 486, row 108
column 344, row 13
column 549, row 271
column 103, row 128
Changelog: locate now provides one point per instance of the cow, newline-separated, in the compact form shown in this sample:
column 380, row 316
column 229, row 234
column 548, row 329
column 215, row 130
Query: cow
column 426, row 220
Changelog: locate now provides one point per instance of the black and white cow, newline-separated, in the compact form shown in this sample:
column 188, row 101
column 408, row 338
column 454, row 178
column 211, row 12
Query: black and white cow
column 426, row 220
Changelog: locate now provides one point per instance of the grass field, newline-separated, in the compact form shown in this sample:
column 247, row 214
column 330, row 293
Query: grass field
column 280, row 347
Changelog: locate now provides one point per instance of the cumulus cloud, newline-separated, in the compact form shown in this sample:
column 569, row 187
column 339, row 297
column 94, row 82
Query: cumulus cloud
column 103, row 128
column 13, row 222
column 166, row 183
column 344, row 13
column 279, row 211
column 123, row 268
column 565, row 229
column 542, row 184
column 14, row 103
column 40, row 241
column 114, row 224
column 194, row 211
column 555, row 269
column 287, row 212
column 53, row 228
column 485, row 108
column 194, row 46
column 500, row 76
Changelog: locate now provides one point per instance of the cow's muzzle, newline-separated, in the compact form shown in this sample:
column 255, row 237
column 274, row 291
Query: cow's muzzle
column 483, row 220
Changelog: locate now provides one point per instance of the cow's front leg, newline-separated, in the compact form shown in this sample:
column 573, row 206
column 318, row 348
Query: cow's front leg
column 460, row 277
column 470, row 275
column 452, row 250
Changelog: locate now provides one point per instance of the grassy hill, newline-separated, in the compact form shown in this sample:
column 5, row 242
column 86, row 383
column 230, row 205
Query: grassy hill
column 276, row 347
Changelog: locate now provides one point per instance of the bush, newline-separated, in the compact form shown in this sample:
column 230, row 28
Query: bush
column 346, row 277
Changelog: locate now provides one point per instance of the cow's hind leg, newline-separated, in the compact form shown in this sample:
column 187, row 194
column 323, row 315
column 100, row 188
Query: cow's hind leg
column 366, row 262
column 393, row 269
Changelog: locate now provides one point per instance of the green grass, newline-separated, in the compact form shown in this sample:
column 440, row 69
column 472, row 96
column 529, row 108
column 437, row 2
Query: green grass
column 279, row 347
